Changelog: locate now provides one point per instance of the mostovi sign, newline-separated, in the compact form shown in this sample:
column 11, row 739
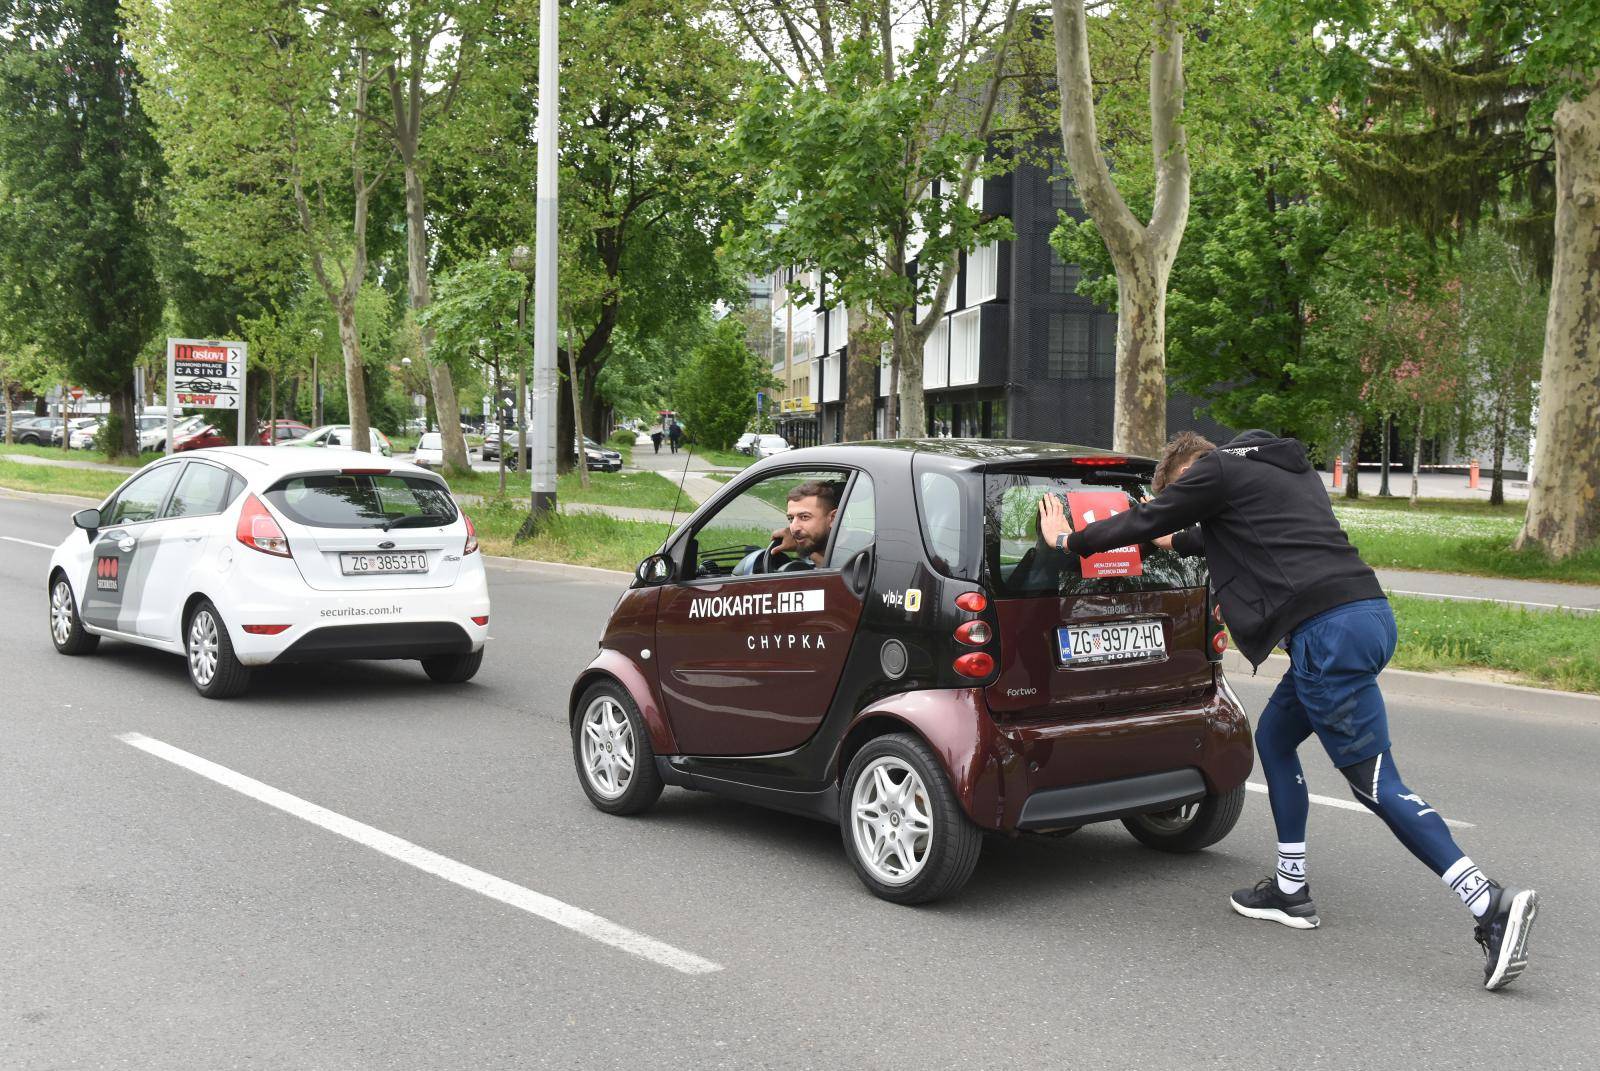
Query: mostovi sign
column 205, row 374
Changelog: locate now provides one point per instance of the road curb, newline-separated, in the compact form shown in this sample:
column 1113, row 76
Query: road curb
column 1442, row 686
column 46, row 496
column 537, row 565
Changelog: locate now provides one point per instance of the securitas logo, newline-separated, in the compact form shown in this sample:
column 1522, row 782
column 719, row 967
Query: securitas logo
column 106, row 572
column 758, row 604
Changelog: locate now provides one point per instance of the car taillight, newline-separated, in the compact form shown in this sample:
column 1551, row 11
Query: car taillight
column 265, row 630
column 973, row 602
column 1219, row 642
column 975, row 664
column 258, row 530
column 1216, row 631
column 472, row 536
column 484, row 620
column 974, row 633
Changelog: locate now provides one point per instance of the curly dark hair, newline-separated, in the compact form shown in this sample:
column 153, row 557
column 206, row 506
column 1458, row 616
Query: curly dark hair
column 1181, row 449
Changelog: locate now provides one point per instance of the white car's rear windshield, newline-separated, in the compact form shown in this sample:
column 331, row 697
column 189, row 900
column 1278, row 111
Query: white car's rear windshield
column 431, row 441
column 335, row 500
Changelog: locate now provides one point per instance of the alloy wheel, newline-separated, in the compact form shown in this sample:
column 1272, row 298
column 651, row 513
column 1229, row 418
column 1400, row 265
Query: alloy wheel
column 203, row 647
column 61, row 612
column 607, row 747
column 891, row 820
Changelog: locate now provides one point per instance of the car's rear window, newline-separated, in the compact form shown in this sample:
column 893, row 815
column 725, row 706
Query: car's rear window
column 431, row 441
column 337, row 500
column 1018, row 561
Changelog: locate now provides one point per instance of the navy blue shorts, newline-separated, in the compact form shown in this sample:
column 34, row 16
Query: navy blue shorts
column 1334, row 660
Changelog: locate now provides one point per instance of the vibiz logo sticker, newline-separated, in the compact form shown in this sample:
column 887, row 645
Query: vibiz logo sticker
column 106, row 572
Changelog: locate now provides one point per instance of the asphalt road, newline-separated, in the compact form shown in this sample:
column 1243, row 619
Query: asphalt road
column 152, row 918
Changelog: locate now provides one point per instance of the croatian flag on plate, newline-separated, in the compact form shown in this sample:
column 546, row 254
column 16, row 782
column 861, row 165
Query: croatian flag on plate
column 1090, row 506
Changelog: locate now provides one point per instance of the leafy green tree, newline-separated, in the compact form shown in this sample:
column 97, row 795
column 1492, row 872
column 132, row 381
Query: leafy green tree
column 862, row 149
column 76, row 167
column 715, row 391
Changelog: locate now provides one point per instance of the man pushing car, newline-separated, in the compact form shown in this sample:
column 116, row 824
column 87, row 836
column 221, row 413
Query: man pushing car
column 1284, row 571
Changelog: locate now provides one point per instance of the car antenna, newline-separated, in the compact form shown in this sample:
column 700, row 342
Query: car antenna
column 682, row 478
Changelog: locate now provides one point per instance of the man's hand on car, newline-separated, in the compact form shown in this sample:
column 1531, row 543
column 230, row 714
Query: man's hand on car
column 1054, row 520
column 782, row 541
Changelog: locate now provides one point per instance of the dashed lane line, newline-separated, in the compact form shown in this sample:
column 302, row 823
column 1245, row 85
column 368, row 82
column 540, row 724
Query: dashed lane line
column 1348, row 805
column 576, row 919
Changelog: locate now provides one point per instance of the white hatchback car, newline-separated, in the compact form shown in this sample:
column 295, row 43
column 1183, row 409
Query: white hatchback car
column 248, row 556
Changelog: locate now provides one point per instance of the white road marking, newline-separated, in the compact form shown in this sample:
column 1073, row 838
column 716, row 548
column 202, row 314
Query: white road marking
column 1348, row 805
column 575, row 919
column 1498, row 602
column 29, row 543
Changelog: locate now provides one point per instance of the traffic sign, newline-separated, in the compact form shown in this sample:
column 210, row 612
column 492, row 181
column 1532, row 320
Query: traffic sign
column 205, row 374
column 76, row 392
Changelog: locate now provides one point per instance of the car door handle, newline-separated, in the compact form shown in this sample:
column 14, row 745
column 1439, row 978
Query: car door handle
column 858, row 571
column 195, row 538
column 126, row 543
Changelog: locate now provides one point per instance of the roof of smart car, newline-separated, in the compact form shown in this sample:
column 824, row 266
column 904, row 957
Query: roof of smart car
column 980, row 452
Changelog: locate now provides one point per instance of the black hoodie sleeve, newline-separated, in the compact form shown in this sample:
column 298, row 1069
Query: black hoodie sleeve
column 1189, row 543
column 1191, row 498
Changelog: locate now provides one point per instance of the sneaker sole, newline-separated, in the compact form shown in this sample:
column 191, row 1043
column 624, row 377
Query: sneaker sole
column 1272, row 914
column 1514, row 949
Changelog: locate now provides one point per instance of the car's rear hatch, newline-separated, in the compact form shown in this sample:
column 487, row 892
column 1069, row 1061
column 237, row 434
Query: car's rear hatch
column 1072, row 644
column 370, row 530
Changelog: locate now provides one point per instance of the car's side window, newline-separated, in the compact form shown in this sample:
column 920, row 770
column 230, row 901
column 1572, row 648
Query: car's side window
column 202, row 490
column 942, row 523
column 142, row 499
column 755, row 519
column 857, row 523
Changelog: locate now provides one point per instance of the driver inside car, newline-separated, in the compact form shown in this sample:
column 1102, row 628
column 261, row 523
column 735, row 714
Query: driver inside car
column 811, row 509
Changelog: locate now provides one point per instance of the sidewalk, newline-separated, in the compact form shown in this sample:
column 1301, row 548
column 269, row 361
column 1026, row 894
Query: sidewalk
column 61, row 463
column 1430, row 485
column 1534, row 594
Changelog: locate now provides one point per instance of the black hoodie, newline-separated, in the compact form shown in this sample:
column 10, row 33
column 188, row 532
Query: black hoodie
column 1277, row 555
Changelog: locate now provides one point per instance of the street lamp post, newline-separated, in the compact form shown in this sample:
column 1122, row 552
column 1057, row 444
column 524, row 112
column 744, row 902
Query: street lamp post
column 545, row 307
column 316, row 381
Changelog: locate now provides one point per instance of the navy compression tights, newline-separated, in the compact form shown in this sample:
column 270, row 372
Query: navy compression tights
column 1375, row 782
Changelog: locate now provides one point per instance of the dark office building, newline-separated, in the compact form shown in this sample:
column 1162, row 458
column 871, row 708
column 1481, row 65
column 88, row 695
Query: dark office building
column 1019, row 354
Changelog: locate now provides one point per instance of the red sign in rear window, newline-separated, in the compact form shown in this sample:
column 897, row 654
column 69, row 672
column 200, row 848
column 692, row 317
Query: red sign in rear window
column 1090, row 506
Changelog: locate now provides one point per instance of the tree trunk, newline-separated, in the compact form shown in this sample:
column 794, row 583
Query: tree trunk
column 913, row 410
column 1142, row 254
column 355, row 386
column 122, row 406
column 1416, row 459
column 5, row 392
column 1502, row 406
column 862, row 363
column 577, row 407
column 1352, row 475
column 1383, row 472
column 440, row 382
column 1564, row 501
column 565, row 428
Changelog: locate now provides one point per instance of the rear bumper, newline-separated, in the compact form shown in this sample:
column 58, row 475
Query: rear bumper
column 1078, row 805
column 400, row 639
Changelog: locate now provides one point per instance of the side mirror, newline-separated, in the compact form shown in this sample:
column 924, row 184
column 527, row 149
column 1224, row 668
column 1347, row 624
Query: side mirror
column 656, row 569
column 87, row 519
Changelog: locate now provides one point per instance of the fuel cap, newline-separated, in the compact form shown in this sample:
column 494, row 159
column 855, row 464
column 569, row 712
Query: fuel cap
column 893, row 658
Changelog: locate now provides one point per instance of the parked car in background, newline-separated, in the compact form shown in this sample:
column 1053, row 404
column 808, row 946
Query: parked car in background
column 276, row 431
column 747, row 443
column 769, row 445
column 181, row 429
column 84, row 434
column 601, row 458
column 199, row 439
column 339, row 436
column 152, row 431
column 35, row 430
column 429, row 453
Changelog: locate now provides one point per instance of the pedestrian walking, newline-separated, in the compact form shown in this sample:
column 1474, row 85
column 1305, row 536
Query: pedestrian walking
column 1284, row 571
column 676, row 435
column 655, row 440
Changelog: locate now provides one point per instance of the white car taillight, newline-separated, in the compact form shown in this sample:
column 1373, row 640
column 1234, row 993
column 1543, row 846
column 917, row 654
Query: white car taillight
column 472, row 536
column 259, row 530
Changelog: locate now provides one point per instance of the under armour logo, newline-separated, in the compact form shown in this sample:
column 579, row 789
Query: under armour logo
column 1299, row 779
column 1412, row 797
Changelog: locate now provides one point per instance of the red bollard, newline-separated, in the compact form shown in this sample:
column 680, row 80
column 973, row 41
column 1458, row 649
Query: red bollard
column 1472, row 474
column 1338, row 471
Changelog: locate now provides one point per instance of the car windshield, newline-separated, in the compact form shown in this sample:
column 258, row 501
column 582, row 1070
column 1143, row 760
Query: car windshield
column 339, row 500
column 1020, row 564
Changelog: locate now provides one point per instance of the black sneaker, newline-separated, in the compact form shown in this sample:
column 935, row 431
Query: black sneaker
column 1503, row 933
column 1267, row 901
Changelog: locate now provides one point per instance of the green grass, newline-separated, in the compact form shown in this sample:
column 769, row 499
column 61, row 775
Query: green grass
column 641, row 490
column 580, row 539
column 726, row 458
column 52, row 479
column 1550, row 648
column 61, row 454
column 1454, row 537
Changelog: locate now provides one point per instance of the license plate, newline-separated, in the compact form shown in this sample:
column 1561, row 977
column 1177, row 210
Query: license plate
column 363, row 564
column 1113, row 641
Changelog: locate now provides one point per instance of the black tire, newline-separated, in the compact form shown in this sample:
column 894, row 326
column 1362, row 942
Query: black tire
column 70, row 638
column 453, row 668
column 609, row 702
column 1211, row 819
column 228, row 676
column 953, row 842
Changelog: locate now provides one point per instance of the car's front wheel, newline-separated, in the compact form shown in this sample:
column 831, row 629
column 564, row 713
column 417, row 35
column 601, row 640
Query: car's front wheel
column 453, row 669
column 214, row 670
column 611, row 749
column 1190, row 827
column 904, row 831
column 66, row 627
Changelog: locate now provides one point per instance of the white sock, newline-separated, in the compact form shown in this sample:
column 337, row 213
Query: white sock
column 1469, row 884
column 1291, row 867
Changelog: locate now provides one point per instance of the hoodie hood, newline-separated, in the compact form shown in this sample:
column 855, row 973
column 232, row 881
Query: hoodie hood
column 1258, row 445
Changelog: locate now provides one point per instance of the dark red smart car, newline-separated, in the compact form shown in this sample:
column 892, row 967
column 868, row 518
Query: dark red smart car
column 921, row 668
